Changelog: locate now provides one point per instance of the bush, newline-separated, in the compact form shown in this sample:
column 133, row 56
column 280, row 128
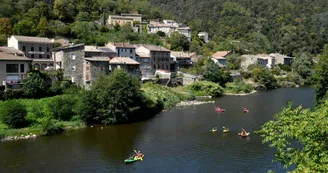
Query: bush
column 285, row 67
column 238, row 87
column 61, row 107
column 206, row 88
column 13, row 114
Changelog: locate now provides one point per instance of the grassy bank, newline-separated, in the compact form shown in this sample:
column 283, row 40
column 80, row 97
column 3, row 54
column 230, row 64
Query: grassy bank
column 238, row 88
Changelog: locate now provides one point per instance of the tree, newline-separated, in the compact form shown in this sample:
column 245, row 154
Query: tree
column 5, row 27
column 43, row 27
column 299, row 137
column 179, row 42
column 118, row 97
column 65, row 10
column 234, row 61
column 303, row 65
column 35, row 85
column 195, row 47
column 13, row 114
column 321, row 76
column 25, row 27
column 215, row 74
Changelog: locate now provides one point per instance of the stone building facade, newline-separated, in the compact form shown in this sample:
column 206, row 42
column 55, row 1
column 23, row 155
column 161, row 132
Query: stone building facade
column 71, row 60
column 160, row 57
column 123, row 49
column 37, row 48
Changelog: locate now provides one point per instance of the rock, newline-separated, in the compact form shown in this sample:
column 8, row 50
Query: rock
column 28, row 136
column 34, row 136
column 102, row 127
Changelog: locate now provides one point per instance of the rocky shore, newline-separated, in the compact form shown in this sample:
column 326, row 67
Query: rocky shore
column 192, row 103
column 243, row 94
column 13, row 138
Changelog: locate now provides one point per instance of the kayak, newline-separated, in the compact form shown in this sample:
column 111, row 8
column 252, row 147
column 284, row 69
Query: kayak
column 214, row 130
column 243, row 135
column 245, row 111
column 226, row 131
column 219, row 110
column 134, row 159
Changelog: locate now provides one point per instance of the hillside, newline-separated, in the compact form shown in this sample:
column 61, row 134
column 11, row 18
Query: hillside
column 79, row 20
column 285, row 26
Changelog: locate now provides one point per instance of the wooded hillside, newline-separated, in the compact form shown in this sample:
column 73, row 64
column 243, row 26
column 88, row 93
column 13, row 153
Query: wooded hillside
column 285, row 26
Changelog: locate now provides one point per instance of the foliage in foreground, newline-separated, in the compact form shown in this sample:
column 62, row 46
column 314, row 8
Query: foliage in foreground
column 13, row 114
column 300, row 137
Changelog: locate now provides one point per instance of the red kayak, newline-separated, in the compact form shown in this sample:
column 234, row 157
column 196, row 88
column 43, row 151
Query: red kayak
column 219, row 110
column 245, row 110
column 243, row 135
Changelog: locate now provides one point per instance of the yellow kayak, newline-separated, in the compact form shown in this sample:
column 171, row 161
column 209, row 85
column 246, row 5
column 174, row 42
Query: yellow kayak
column 214, row 130
column 226, row 130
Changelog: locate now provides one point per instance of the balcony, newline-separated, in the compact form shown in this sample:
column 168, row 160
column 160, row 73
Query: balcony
column 36, row 52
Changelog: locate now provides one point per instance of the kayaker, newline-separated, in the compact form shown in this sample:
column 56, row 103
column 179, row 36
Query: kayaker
column 139, row 154
column 224, row 128
column 243, row 132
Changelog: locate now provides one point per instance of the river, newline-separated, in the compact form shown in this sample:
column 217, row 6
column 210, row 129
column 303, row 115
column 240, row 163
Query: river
column 175, row 141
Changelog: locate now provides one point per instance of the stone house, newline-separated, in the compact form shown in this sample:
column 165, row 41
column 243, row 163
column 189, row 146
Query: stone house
column 264, row 60
column 170, row 22
column 123, row 49
column 156, row 27
column 160, row 58
column 186, row 31
column 119, row 20
column 14, row 66
column 129, row 65
column 93, row 67
column 37, row 48
column 135, row 17
column 145, row 64
column 219, row 57
column 282, row 59
column 183, row 58
column 71, row 60
column 203, row 36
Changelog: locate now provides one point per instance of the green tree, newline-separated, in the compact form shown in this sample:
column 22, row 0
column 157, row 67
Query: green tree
column 65, row 10
column 25, row 27
column 234, row 61
column 321, row 76
column 61, row 107
column 43, row 27
column 118, row 97
column 299, row 137
column 215, row 74
column 179, row 42
column 5, row 27
column 13, row 114
column 303, row 65
column 195, row 47
column 35, row 85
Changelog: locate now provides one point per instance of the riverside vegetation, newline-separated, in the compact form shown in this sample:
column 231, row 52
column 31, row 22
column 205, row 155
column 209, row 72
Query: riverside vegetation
column 113, row 99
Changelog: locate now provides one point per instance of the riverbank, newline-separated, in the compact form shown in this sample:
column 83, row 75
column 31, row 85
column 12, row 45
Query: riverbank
column 240, row 94
column 7, row 134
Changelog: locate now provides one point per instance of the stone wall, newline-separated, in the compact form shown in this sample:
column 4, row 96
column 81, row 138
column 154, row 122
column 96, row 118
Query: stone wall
column 73, row 67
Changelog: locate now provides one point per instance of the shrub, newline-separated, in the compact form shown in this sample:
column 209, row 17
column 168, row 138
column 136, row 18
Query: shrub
column 206, row 88
column 13, row 114
column 238, row 87
column 61, row 107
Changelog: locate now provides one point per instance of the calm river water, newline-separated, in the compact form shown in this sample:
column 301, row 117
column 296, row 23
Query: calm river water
column 174, row 141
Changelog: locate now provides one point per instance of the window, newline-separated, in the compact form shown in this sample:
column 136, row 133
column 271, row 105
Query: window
column 32, row 56
column 22, row 68
column 73, row 67
column 158, row 66
column 40, row 49
column 24, row 48
column 43, row 66
column 32, row 48
column 40, row 56
column 131, row 51
column 154, row 66
column 12, row 68
column 48, row 57
column 73, row 56
column 47, row 49
column 87, row 68
column 36, row 66
column 86, row 77
column 167, row 67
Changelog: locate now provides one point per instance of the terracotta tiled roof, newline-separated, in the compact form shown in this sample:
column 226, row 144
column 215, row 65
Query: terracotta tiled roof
column 123, row 60
column 32, row 39
column 143, row 55
column 11, row 50
column 220, row 54
column 10, row 57
column 155, row 48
